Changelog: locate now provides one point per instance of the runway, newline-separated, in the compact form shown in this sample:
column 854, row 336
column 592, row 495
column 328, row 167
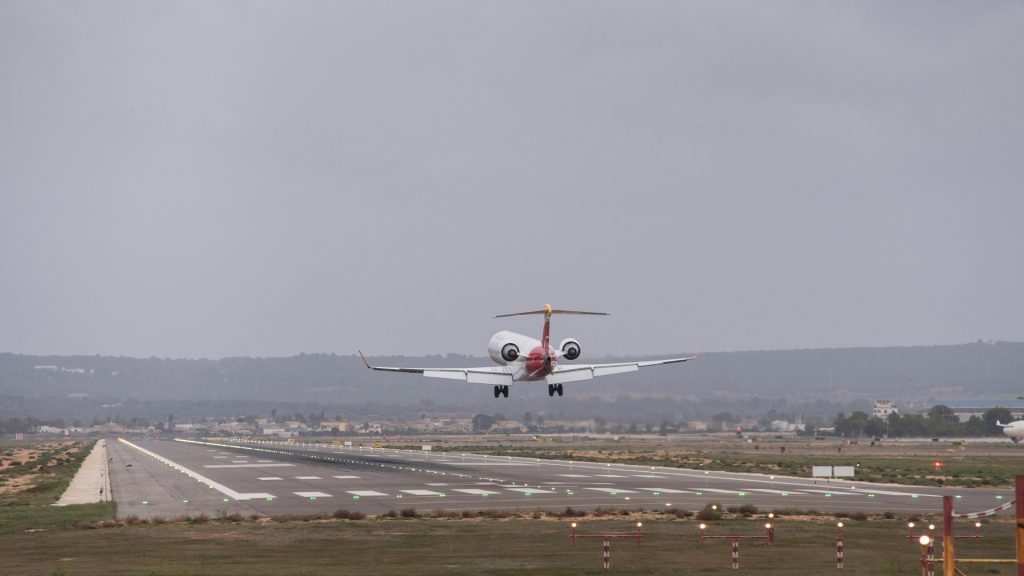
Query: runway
column 172, row 478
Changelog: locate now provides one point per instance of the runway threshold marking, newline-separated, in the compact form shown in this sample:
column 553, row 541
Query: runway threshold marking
column 362, row 493
column 475, row 491
column 313, row 494
column 422, row 492
column 192, row 474
column 612, row 490
column 769, row 491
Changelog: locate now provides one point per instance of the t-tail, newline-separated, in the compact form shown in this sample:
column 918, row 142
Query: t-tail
column 545, row 340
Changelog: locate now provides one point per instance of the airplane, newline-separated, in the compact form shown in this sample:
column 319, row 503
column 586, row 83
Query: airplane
column 1015, row 430
column 540, row 362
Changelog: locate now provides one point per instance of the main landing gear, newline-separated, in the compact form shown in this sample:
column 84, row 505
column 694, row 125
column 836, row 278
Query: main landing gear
column 501, row 390
column 552, row 388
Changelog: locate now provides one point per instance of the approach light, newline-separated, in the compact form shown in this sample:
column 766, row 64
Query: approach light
column 703, row 526
column 977, row 524
column 839, row 524
column 924, row 540
column 767, row 525
column 931, row 526
column 910, row 524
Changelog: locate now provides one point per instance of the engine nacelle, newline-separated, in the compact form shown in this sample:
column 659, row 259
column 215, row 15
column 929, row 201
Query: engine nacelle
column 506, row 347
column 570, row 348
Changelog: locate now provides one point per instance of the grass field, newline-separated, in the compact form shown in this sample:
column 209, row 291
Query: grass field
column 479, row 546
column 33, row 478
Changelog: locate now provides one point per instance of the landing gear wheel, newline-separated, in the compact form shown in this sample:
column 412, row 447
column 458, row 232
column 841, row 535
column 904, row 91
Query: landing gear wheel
column 558, row 388
column 497, row 391
column 551, row 389
column 504, row 390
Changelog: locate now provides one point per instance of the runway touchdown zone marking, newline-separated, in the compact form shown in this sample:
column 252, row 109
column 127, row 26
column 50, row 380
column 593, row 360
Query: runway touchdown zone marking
column 312, row 494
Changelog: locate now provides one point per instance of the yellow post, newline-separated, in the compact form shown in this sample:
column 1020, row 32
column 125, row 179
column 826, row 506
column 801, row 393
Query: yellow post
column 1020, row 525
column 948, row 558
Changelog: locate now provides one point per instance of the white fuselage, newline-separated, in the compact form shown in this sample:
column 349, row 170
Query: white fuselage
column 1015, row 430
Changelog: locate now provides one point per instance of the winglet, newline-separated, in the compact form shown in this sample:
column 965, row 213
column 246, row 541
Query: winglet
column 699, row 350
column 1000, row 424
column 364, row 360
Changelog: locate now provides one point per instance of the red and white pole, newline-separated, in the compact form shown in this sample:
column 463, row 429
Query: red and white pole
column 607, row 552
column 839, row 546
column 931, row 557
column 735, row 553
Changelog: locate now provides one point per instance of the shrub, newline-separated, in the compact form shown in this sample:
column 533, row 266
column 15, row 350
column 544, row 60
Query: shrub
column 356, row 515
column 858, row 516
column 342, row 513
column 390, row 514
column 410, row 513
column 158, row 520
column 710, row 511
column 888, row 515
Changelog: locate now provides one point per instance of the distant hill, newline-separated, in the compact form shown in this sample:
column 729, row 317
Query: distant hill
column 908, row 374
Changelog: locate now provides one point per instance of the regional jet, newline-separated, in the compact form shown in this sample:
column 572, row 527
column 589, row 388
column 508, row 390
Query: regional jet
column 541, row 362
column 1015, row 430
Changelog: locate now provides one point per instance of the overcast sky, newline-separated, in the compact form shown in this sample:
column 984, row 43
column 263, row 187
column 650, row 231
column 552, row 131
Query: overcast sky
column 207, row 179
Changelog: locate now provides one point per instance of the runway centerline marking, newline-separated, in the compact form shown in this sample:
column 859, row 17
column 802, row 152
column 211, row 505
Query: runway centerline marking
column 346, row 477
column 271, row 478
column 308, row 478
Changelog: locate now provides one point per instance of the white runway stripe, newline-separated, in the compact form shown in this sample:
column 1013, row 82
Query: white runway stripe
column 421, row 492
column 531, row 490
column 346, row 477
column 271, row 478
column 362, row 493
column 312, row 494
column 308, row 478
column 475, row 491
column 767, row 491
column 648, row 476
column 245, row 465
column 573, row 475
column 721, row 491
column 612, row 490
column 667, row 490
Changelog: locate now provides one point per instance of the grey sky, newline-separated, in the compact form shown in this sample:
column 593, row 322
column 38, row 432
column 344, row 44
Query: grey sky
column 267, row 178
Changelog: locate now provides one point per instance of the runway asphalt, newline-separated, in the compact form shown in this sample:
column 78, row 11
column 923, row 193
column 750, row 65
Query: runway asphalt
column 172, row 478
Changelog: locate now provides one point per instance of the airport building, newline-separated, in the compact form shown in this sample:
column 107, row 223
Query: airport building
column 964, row 409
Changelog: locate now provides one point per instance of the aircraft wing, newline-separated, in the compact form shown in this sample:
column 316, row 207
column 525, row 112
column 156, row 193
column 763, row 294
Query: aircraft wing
column 575, row 373
column 482, row 375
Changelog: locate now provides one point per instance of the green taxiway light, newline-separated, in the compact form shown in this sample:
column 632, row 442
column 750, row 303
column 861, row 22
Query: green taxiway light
column 958, row 497
column 999, row 497
column 268, row 499
column 184, row 501
column 355, row 496
column 743, row 493
column 914, row 496
column 785, row 493
column 398, row 496
column 145, row 501
column 828, row 494
column 657, row 493
column 871, row 495
column 700, row 493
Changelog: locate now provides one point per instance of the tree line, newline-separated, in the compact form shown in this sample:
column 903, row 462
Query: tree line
column 939, row 422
